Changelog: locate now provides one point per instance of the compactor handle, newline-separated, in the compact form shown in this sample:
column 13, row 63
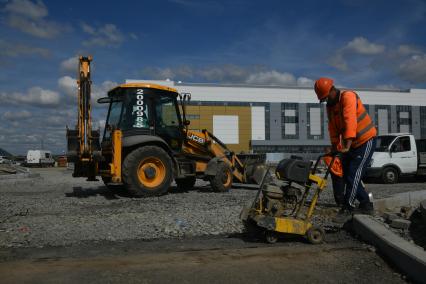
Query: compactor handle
column 332, row 154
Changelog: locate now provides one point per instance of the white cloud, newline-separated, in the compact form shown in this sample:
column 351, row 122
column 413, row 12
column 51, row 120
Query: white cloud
column 10, row 49
column 405, row 49
column 357, row 46
column 413, row 69
column 16, row 115
column 305, row 82
column 278, row 79
column 385, row 87
column 106, row 35
column 271, row 78
column 27, row 9
column 88, row 29
column 70, row 64
column 99, row 91
column 29, row 17
column 68, row 86
column 35, row 96
column 362, row 46
column 227, row 73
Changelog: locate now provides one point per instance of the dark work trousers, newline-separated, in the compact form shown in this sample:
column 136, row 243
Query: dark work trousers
column 354, row 162
column 338, row 189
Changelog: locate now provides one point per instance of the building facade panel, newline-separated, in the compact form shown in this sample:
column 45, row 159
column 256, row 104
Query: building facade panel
column 415, row 124
column 258, row 122
column 282, row 119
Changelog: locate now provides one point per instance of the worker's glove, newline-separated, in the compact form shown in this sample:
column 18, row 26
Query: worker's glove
column 344, row 150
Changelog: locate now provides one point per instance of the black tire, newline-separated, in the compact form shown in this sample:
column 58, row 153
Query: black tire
column 390, row 175
column 184, row 184
column 106, row 180
column 315, row 235
column 147, row 171
column 271, row 237
column 222, row 181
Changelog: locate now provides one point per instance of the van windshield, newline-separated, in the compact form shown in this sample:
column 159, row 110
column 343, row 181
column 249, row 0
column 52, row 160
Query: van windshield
column 383, row 143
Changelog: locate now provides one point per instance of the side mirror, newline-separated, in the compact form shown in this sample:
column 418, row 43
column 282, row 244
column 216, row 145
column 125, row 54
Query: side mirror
column 104, row 100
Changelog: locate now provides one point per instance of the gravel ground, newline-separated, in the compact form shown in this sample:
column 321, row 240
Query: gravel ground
column 57, row 209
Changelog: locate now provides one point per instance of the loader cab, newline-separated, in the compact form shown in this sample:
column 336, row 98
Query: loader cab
column 144, row 109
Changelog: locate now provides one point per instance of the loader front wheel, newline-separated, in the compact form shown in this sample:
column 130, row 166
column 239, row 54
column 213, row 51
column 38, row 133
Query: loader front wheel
column 222, row 181
column 147, row 171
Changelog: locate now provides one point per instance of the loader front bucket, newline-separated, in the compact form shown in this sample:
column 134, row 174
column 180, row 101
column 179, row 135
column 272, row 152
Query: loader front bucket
column 254, row 167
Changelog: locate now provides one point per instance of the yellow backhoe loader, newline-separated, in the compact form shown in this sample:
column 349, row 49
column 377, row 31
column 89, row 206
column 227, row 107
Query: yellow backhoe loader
column 146, row 143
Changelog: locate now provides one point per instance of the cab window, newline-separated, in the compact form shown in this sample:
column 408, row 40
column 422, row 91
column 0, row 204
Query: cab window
column 402, row 144
column 166, row 113
column 114, row 115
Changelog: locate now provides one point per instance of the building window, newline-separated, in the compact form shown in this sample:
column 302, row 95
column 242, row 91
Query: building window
column 315, row 121
column 192, row 116
column 423, row 122
column 289, row 149
column 267, row 122
column 289, row 121
column 404, row 118
column 382, row 119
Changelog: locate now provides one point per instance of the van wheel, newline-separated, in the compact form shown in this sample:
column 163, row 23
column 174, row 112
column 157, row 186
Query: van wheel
column 147, row 171
column 390, row 175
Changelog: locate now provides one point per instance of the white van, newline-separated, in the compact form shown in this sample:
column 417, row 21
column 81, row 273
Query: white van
column 39, row 158
column 397, row 154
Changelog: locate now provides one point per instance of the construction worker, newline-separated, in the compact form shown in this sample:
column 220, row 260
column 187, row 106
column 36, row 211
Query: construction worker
column 349, row 121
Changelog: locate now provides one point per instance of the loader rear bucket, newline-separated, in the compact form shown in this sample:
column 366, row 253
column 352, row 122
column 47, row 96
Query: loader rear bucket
column 72, row 145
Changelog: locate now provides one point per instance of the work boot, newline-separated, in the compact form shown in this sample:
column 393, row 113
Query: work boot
column 343, row 216
column 366, row 208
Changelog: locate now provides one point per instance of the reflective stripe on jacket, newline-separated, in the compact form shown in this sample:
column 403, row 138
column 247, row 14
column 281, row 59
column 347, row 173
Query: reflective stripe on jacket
column 350, row 119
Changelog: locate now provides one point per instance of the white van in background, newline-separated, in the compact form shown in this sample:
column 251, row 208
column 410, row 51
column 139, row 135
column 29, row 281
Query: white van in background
column 39, row 158
column 397, row 154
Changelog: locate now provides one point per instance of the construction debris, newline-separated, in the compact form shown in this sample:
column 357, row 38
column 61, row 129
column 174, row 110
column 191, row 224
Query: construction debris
column 13, row 171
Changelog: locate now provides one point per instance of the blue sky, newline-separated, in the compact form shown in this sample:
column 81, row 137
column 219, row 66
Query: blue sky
column 376, row 44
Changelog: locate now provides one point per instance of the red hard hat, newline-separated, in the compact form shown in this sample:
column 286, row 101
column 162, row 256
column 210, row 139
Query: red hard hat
column 323, row 87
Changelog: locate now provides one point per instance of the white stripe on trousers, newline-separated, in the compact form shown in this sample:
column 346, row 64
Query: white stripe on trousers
column 357, row 177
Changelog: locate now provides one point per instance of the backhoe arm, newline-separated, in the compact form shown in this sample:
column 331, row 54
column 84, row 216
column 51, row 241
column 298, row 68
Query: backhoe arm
column 83, row 142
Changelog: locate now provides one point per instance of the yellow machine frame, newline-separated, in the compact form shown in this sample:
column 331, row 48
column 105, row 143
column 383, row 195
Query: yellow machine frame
column 299, row 222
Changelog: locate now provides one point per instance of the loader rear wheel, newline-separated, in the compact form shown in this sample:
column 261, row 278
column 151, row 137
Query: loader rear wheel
column 222, row 181
column 184, row 184
column 147, row 171
column 315, row 235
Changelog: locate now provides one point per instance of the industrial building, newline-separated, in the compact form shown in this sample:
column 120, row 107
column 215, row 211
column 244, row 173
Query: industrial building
column 274, row 119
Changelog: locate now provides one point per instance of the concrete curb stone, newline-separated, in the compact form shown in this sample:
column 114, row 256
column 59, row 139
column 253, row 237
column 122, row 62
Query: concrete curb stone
column 410, row 199
column 400, row 224
column 408, row 257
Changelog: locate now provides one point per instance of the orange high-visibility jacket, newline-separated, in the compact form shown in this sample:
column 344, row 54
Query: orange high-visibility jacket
column 336, row 168
column 350, row 119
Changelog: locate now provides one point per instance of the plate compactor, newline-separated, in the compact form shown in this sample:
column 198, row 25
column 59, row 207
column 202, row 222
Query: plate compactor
column 288, row 208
